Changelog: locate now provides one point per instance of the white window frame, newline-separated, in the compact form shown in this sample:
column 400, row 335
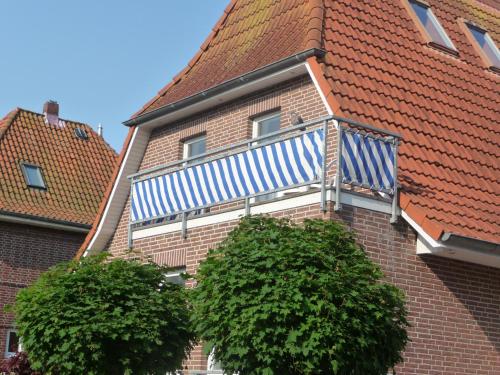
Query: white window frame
column 439, row 27
column 470, row 26
column 8, row 354
column 188, row 142
column 176, row 273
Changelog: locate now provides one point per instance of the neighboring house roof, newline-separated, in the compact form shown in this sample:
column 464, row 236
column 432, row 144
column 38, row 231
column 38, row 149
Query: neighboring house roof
column 378, row 69
column 76, row 171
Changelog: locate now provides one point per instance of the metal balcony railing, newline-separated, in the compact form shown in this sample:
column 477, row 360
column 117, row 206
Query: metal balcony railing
column 289, row 158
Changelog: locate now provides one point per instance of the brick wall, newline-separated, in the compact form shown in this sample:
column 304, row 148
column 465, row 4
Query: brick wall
column 454, row 306
column 25, row 252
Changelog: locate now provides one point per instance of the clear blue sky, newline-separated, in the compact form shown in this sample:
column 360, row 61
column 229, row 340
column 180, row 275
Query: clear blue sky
column 100, row 59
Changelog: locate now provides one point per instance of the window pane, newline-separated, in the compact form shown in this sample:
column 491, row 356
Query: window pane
column 197, row 147
column 13, row 344
column 431, row 25
column 269, row 125
column 34, row 176
column 487, row 45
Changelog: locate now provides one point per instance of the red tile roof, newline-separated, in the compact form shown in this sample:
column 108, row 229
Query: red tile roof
column 76, row 171
column 378, row 69
column 447, row 108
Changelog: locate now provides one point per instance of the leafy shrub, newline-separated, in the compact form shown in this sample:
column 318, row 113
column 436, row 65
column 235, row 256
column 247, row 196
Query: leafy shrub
column 280, row 298
column 97, row 317
column 18, row 364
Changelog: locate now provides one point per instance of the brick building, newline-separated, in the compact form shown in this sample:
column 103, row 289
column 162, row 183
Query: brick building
column 53, row 174
column 313, row 108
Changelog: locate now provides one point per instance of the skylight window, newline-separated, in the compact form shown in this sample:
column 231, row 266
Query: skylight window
column 487, row 47
column 432, row 29
column 33, row 176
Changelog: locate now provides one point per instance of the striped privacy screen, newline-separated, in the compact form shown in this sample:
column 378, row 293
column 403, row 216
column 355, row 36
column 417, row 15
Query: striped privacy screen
column 367, row 161
column 274, row 166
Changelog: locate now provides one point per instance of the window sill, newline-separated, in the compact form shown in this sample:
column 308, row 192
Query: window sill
column 443, row 49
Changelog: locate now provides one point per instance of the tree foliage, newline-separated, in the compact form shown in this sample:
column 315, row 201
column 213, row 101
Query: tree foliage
column 280, row 298
column 99, row 317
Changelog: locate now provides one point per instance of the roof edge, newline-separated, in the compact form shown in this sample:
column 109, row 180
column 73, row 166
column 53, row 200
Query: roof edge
column 227, row 85
column 106, row 197
column 6, row 121
column 14, row 217
column 458, row 240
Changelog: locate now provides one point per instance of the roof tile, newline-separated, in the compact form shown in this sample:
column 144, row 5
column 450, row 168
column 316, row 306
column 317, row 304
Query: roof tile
column 76, row 171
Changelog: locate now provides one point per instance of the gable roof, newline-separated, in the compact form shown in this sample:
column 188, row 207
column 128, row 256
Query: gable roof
column 76, row 171
column 378, row 69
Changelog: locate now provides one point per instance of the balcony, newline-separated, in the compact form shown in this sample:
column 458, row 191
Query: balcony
column 318, row 154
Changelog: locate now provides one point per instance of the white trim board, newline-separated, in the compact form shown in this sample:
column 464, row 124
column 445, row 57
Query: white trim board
column 121, row 187
column 318, row 89
column 265, row 208
column 427, row 245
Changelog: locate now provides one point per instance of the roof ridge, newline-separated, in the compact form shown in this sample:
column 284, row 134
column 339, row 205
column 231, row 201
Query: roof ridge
column 204, row 46
column 60, row 118
column 7, row 120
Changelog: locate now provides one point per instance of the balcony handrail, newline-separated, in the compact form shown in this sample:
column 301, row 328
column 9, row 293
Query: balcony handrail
column 247, row 142
column 255, row 143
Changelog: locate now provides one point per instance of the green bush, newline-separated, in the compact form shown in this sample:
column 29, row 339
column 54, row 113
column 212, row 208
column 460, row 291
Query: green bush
column 97, row 317
column 279, row 298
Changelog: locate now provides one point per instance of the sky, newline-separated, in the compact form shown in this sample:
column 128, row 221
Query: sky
column 101, row 60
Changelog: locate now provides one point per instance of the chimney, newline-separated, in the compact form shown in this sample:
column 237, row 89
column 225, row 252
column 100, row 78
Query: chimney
column 99, row 129
column 51, row 112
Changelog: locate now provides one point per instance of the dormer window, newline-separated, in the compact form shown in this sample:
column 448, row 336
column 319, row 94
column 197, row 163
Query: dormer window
column 33, row 176
column 485, row 46
column 430, row 26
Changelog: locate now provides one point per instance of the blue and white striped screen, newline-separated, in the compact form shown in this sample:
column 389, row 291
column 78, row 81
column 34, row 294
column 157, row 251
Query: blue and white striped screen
column 278, row 165
column 367, row 161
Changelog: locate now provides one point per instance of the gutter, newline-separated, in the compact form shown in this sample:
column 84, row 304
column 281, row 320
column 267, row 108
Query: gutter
column 68, row 226
column 456, row 240
column 227, row 85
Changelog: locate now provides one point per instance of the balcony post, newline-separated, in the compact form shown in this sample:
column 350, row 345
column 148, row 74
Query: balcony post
column 247, row 206
column 394, row 210
column 323, row 167
column 130, row 243
column 338, row 172
column 184, row 224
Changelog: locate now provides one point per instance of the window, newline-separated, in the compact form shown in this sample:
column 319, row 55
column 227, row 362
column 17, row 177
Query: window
column 432, row 29
column 12, row 346
column 263, row 126
column 486, row 46
column 213, row 366
column 175, row 276
column 194, row 147
column 33, row 176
